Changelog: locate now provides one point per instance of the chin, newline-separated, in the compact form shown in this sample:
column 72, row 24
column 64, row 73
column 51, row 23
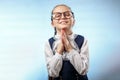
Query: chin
column 65, row 27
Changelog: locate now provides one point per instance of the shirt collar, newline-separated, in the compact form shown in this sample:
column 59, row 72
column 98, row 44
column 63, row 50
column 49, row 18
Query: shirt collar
column 70, row 37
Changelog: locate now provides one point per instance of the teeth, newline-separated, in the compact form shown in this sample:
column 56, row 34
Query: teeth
column 63, row 22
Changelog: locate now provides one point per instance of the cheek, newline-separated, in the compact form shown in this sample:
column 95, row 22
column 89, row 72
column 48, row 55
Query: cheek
column 53, row 23
column 71, row 22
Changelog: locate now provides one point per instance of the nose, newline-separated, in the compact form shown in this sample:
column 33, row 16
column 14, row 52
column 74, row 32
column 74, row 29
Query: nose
column 62, row 15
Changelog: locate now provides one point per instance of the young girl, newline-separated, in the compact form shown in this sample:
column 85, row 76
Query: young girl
column 67, row 57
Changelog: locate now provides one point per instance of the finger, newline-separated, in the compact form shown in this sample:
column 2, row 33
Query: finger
column 65, row 41
column 62, row 40
column 62, row 31
column 62, row 35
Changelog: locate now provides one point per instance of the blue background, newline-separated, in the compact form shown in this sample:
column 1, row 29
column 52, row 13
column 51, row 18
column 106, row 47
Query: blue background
column 25, row 26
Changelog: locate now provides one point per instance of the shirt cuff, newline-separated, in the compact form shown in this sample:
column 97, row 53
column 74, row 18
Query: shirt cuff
column 59, row 56
column 72, row 53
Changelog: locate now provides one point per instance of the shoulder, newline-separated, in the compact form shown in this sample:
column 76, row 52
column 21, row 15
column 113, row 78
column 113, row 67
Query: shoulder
column 51, row 39
column 49, row 42
column 81, row 39
column 78, row 37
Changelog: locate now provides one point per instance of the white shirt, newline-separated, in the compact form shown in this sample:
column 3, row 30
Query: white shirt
column 79, row 58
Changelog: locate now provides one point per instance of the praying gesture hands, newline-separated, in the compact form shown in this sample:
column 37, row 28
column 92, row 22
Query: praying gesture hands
column 64, row 44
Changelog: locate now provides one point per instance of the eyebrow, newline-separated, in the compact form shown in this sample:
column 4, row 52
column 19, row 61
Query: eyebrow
column 61, row 12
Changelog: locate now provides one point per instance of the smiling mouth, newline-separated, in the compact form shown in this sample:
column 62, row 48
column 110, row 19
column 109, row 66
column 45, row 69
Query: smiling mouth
column 64, row 22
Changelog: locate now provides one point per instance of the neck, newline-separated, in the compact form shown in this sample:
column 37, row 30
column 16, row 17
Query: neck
column 68, row 32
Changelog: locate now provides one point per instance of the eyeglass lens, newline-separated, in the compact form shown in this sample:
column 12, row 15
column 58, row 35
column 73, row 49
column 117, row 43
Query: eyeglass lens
column 58, row 15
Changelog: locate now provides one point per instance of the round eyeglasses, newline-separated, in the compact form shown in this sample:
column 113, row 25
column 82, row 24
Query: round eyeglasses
column 58, row 15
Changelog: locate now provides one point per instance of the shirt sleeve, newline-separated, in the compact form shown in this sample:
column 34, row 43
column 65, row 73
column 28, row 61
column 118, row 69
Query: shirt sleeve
column 80, row 59
column 53, row 62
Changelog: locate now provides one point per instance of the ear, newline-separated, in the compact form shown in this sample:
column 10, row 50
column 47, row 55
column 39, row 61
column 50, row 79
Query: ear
column 73, row 22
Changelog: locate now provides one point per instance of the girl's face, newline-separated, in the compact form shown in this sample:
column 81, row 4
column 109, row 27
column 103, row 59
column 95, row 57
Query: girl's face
column 62, row 18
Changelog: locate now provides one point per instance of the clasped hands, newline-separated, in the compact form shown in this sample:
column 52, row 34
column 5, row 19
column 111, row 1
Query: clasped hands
column 64, row 44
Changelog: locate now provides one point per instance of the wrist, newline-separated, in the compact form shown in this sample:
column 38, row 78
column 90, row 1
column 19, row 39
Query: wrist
column 70, row 49
column 59, row 51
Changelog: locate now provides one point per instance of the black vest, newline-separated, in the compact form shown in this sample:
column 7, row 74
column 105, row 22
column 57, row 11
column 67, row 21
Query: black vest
column 68, row 72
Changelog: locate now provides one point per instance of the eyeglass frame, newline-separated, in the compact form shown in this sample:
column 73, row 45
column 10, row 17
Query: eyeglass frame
column 72, row 15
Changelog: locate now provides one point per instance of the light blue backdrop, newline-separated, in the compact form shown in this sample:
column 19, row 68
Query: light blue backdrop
column 25, row 26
